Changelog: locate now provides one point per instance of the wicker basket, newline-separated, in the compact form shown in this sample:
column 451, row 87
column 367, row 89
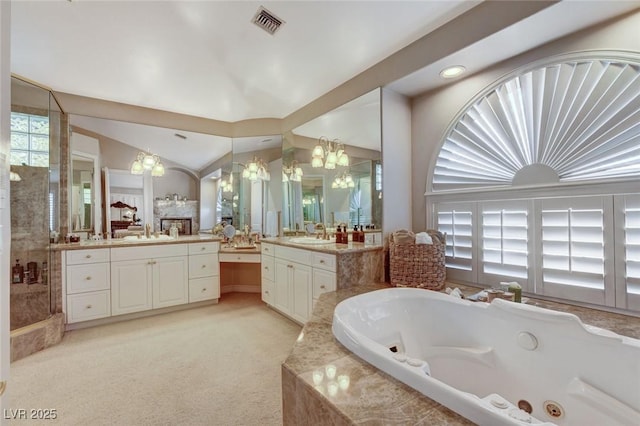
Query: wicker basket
column 418, row 265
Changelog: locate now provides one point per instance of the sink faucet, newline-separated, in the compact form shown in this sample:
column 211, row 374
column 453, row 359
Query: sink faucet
column 147, row 230
column 324, row 230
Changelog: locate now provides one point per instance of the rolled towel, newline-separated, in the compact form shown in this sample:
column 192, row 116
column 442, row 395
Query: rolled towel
column 403, row 236
column 423, row 238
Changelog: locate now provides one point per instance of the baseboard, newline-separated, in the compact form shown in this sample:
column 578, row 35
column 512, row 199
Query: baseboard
column 141, row 314
column 240, row 289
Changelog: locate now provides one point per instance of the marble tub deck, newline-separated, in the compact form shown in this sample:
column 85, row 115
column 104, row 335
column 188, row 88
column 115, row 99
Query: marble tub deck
column 372, row 397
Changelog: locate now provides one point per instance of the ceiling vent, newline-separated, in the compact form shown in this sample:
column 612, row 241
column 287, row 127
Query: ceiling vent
column 267, row 20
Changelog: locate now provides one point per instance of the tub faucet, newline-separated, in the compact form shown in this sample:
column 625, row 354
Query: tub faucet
column 147, row 230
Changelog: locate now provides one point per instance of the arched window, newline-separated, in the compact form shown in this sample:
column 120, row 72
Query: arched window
column 537, row 181
column 573, row 119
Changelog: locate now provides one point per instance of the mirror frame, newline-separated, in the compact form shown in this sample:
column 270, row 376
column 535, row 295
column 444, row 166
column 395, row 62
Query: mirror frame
column 96, row 193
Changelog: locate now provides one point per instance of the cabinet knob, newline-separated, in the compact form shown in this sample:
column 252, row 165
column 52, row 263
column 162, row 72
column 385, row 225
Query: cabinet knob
column 203, row 248
column 88, row 256
column 323, row 286
column 88, row 278
column 322, row 261
column 266, row 267
column 89, row 306
column 204, row 289
column 204, row 266
column 289, row 266
column 266, row 249
column 266, row 292
column 238, row 258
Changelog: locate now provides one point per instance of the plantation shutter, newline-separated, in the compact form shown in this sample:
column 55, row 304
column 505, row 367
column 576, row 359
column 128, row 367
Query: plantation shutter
column 576, row 241
column 628, row 251
column 505, row 242
column 456, row 220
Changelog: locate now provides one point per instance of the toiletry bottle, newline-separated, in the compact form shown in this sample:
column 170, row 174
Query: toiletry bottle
column 17, row 273
column 355, row 236
column 361, row 234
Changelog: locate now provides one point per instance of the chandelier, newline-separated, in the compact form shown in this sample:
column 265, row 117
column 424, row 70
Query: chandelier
column 329, row 154
column 292, row 173
column 343, row 180
column 146, row 161
column 227, row 185
column 256, row 169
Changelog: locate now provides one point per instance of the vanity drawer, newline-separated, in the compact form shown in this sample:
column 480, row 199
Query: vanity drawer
column 324, row 261
column 268, row 288
column 267, row 249
column 323, row 281
column 148, row 251
column 204, row 289
column 203, row 265
column 88, row 306
column 91, row 277
column 268, row 267
column 240, row 257
column 77, row 257
column 204, row 248
column 294, row 255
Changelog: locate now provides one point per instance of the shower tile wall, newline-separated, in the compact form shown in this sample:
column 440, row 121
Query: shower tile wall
column 29, row 242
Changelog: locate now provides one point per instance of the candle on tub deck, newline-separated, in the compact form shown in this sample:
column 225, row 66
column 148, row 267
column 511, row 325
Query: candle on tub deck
column 330, row 370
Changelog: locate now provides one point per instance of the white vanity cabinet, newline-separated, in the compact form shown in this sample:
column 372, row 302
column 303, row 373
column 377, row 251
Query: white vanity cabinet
column 87, row 285
column 204, row 271
column 154, row 277
column 267, row 274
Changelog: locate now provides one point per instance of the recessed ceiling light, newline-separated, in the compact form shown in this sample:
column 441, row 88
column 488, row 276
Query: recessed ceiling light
column 452, row 72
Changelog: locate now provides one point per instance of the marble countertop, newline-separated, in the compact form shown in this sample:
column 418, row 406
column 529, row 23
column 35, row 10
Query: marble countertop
column 373, row 397
column 119, row 242
column 329, row 247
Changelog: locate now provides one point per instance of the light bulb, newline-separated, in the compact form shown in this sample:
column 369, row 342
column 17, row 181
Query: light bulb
column 318, row 151
column 316, row 162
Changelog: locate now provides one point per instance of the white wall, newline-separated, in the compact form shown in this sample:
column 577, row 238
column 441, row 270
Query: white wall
column 5, row 214
column 208, row 199
column 396, row 161
column 434, row 112
column 175, row 182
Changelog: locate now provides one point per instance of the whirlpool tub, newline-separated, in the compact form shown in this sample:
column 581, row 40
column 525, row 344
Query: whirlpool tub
column 502, row 363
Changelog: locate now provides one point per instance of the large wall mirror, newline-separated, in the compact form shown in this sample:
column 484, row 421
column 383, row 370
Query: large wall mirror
column 256, row 198
column 340, row 192
column 184, row 190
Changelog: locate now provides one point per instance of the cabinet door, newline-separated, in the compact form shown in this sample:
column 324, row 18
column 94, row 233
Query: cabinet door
column 281, row 284
column 170, row 281
column 130, row 286
column 301, row 291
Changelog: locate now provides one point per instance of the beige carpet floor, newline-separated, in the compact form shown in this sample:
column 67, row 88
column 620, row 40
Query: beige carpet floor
column 214, row 365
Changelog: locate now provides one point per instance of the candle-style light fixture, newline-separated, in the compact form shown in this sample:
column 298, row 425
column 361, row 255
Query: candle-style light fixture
column 343, row 180
column 329, row 154
column 146, row 161
column 292, row 172
column 256, row 169
column 227, row 185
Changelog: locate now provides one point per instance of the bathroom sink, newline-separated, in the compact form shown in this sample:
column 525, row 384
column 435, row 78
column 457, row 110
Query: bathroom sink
column 308, row 240
column 143, row 239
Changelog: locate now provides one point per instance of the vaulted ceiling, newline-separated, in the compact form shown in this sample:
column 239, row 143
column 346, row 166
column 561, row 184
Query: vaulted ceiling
column 208, row 59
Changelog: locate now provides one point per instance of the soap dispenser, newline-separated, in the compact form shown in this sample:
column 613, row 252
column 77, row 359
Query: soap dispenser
column 17, row 273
